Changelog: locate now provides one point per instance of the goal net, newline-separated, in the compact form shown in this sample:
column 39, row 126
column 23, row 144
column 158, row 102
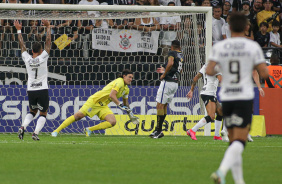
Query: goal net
column 90, row 45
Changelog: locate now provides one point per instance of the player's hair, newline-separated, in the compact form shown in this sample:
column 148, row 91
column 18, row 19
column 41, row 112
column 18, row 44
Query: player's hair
column 274, row 59
column 175, row 44
column 238, row 22
column 124, row 72
column 264, row 24
column 275, row 23
column 36, row 47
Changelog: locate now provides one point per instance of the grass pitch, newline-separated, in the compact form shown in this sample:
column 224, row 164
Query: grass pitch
column 75, row 159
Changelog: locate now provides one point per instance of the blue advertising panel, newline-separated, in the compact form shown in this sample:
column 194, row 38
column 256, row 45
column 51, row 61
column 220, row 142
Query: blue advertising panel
column 65, row 100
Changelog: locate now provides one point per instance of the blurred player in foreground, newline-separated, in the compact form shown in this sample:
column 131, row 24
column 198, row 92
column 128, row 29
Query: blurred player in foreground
column 237, row 57
column 37, row 85
column 169, row 85
column 97, row 104
column 224, row 132
column 208, row 95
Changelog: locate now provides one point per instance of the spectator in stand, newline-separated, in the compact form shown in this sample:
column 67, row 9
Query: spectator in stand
column 257, row 7
column 249, row 31
column 206, row 3
column 267, row 15
column 170, row 27
column 246, row 9
column 122, row 2
column 146, row 24
column 54, row 1
column 35, row 32
column 11, row 1
column 154, row 3
column 226, row 9
column 85, row 28
column 215, row 3
column 276, row 5
column 275, row 73
column 237, row 5
column 187, row 3
column 226, row 33
column 142, row 2
column 217, row 23
column 90, row 2
column 262, row 36
column 8, row 37
column 72, row 1
column 274, row 35
column 32, row 1
column 165, row 2
column 104, row 23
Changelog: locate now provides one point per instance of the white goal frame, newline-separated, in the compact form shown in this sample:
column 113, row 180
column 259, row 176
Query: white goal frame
column 133, row 8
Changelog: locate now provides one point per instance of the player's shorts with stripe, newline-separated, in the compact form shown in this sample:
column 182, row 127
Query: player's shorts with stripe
column 38, row 99
column 237, row 113
column 207, row 98
column 166, row 92
column 91, row 109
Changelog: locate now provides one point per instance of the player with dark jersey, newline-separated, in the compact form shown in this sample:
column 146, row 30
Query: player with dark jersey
column 37, row 85
column 169, row 85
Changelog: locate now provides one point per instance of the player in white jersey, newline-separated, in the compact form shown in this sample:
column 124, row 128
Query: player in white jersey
column 37, row 86
column 237, row 57
column 208, row 95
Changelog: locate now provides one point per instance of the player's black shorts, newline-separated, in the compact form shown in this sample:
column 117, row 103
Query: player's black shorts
column 207, row 98
column 237, row 113
column 38, row 99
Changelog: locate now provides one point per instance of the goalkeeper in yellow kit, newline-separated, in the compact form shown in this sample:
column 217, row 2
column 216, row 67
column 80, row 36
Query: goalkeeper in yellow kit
column 97, row 104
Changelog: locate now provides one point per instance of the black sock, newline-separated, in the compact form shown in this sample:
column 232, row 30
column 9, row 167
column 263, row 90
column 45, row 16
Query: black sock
column 160, row 122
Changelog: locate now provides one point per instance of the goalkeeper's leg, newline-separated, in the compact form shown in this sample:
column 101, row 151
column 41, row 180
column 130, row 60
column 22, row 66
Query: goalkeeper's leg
column 110, row 122
column 77, row 116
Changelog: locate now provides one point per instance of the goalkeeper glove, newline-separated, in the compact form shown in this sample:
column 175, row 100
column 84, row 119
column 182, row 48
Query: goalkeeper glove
column 123, row 107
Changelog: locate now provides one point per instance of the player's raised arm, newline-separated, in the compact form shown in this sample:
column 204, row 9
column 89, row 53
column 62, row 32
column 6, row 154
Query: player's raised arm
column 48, row 35
column 20, row 37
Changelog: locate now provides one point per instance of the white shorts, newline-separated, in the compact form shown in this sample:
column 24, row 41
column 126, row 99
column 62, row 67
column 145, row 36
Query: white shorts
column 166, row 92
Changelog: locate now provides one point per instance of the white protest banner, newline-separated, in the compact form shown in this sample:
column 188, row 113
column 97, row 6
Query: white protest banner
column 125, row 40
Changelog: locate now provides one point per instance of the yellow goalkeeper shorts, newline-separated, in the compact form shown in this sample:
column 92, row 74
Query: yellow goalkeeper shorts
column 91, row 109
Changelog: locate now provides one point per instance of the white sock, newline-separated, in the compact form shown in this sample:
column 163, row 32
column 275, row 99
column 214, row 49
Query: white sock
column 231, row 157
column 40, row 124
column 224, row 126
column 237, row 171
column 28, row 118
column 217, row 124
column 200, row 124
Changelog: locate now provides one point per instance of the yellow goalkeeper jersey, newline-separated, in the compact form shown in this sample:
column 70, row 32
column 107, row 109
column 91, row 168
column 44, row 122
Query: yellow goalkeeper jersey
column 102, row 96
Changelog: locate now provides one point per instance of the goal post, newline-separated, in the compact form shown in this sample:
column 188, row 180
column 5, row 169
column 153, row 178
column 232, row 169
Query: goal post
column 86, row 57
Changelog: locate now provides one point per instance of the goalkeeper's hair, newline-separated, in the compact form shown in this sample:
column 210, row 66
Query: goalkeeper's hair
column 36, row 47
column 124, row 72
column 238, row 22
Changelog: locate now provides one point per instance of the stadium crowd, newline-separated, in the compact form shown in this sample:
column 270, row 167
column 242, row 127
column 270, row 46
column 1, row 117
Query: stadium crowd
column 264, row 26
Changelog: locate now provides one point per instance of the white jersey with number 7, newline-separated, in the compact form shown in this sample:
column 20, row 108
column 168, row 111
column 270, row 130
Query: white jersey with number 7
column 237, row 58
column 37, row 71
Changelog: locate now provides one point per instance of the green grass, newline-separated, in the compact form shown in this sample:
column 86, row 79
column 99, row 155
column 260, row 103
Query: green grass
column 75, row 159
